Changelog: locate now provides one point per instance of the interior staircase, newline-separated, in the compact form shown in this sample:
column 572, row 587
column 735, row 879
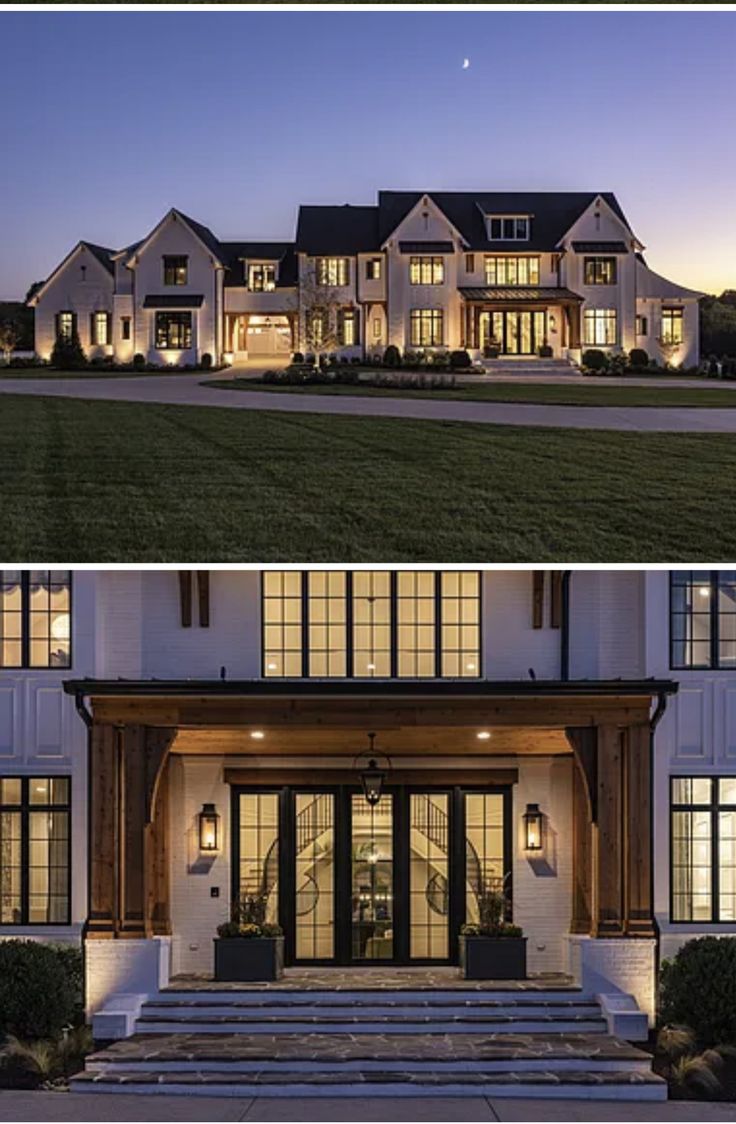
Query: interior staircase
column 345, row 1040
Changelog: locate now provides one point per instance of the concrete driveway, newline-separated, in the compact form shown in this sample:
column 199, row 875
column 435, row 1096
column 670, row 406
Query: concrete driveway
column 17, row 1106
column 188, row 390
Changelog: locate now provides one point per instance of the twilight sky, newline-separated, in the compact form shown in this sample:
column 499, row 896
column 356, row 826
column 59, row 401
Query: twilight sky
column 236, row 117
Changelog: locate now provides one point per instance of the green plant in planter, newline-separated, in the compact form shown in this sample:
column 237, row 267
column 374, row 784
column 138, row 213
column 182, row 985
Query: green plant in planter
column 248, row 919
column 492, row 922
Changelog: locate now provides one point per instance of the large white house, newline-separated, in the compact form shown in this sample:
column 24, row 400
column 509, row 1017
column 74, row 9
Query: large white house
column 515, row 271
column 135, row 703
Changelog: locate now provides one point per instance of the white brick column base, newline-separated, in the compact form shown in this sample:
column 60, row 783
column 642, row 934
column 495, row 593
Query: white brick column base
column 609, row 965
column 116, row 968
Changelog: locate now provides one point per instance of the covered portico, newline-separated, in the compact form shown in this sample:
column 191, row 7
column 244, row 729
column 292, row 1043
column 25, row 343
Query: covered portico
column 521, row 319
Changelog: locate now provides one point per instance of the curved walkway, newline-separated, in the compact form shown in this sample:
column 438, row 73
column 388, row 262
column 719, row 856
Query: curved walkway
column 187, row 390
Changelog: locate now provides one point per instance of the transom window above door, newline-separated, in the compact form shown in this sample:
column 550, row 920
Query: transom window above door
column 371, row 624
column 176, row 268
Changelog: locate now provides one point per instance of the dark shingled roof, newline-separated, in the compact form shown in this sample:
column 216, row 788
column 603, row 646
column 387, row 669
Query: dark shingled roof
column 205, row 234
column 174, row 300
column 282, row 252
column 600, row 247
column 337, row 230
column 103, row 255
column 426, row 248
column 553, row 213
column 515, row 293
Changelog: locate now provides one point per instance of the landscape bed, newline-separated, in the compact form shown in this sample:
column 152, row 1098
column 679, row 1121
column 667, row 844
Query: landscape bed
column 122, row 482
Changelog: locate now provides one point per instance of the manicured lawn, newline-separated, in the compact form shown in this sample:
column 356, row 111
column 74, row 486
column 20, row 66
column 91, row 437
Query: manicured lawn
column 119, row 482
column 557, row 394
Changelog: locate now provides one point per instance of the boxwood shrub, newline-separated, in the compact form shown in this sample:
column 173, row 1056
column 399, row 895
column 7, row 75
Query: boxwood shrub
column 698, row 989
column 40, row 988
column 594, row 359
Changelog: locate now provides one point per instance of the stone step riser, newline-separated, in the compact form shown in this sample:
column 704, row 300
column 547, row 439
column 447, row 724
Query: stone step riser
column 379, row 1010
column 470, row 1065
column 248, row 1026
column 557, row 1089
column 260, row 995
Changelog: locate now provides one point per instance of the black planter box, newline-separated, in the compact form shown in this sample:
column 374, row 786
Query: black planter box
column 249, row 959
column 493, row 958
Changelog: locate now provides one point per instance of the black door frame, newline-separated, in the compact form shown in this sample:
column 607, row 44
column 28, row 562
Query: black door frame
column 531, row 312
column 342, row 865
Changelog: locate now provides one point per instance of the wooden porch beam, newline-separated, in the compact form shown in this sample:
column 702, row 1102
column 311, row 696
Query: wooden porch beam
column 639, row 920
column 609, row 858
column 537, row 598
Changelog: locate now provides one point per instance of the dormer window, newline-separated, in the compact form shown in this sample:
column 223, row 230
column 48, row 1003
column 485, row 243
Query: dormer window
column 508, row 228
column 261, row 277
column 175, row 269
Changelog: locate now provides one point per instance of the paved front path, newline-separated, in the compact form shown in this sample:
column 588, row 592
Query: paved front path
column 16, row 1106
column 186, row 390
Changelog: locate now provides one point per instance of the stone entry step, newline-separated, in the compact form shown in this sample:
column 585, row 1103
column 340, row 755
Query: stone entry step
column 400, row 1024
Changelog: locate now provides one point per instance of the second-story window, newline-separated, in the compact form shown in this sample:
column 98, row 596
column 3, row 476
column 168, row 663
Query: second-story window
column 332, row 272
column 425, row 270
column 371, row 624
column 512, row 271
column 175, row 269
column 508, row 228
column 703, row 619
column 261, row 277
column 373, row 269
column 599, row 271
column 35, row 618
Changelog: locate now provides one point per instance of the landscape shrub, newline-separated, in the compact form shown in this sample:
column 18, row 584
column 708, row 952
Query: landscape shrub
column 206, row 361
column 391, row 357
column 67, row 354
column 297, row 357
column 459, row 360
column 40, row 988
column 638, row 357
column 595, row 360
column 698, row 989
column 545, row 351
column 139, row 361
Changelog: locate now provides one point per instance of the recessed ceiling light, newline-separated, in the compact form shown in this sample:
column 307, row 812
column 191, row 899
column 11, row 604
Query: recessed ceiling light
column 272, row 667
column 483, row 735
column 257, row 734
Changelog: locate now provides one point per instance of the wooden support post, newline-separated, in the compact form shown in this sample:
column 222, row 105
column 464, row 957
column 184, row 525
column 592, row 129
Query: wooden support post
column 582, row 855
column 103, row 813
column 639, row 921
column 133, row 810
column 185, row 598
column 537, row 598
column 609, row 921
column 203, row 597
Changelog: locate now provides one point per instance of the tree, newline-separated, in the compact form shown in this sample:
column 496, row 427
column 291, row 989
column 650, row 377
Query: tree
column 318, row 307
column 10, row 336
column 68, row 354
column 718, row 324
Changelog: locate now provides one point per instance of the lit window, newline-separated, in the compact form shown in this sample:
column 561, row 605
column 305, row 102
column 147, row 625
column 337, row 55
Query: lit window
column 703, row 849
column 599, row 271
column 347, row 321
column 101, row 328
column 642, row 326
column 175, row 269
column 173, row 330
column 65, row 326
column 426, row 327
column 377, row 328
column 672, row 325
column 512, row 271
column 333, row 272
column 460, row 624
column 282, row 624
column 373, row 269
column 327, row 613
column 426, row 271
column 261, row 278
column 703, row 618
column 508, row 228
column 599, row 327
column 35, row 877
column 35, row 618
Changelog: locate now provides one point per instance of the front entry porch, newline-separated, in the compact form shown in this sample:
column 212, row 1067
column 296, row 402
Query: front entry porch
column 521, row 321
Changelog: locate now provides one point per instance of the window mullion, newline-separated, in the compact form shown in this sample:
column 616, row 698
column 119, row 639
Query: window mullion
column 438, row 625
column 714, row 849
column 349, row 661
column 394, row 622
column 305, row 624
column 714, row 621
column 24, row 850
column 25, row 610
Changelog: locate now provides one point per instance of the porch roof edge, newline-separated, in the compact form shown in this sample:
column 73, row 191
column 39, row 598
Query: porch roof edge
column 275, row 688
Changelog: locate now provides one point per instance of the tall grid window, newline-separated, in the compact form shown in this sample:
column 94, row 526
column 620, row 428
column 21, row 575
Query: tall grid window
column 258, row 851
column 512, row 271
column 35, row 618
column 599, row 327
column 425, row 270
column 175, row 269
column 703, row 618
column 426, row 327
column 65, row 325
column 371, row 624
column 599, row 271
column 672, row 325
column 332, row 272
column 101, row 325
column 173, row 330
column 35, row 868
column 703, row 849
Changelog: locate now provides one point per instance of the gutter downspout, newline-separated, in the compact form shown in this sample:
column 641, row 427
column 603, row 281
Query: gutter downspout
column 654, row 721
column 85, row 715
column 565, row 627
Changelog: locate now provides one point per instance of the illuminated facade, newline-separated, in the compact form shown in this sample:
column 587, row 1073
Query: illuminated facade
column 520, row 275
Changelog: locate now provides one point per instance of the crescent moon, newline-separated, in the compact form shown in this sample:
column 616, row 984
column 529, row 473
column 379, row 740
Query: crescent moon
column 466, row 64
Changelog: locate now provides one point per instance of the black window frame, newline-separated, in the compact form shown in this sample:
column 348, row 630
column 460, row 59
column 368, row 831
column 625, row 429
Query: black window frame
column 61, row 334
column 436, row 318
column 25, row 635
column 432, row 265
column 26, row 808
column 676, row 318
column 599, row 270
column 322, row 271
column 508, row 229
column 496, row 264
column 163, row 323
column 265, row 271
column 439, row 649
column 713, row 579
column 95, row 333
column 125, row 327
column 374, row 269
column 174, row 272
column 714, row 807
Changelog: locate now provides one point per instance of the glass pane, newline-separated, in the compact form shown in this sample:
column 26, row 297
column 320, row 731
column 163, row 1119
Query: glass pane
column 10, row 872
column 727, row 866
column 461, row 645
column 282, row 614
column 10, row 790
column 415, row 623
column 691, row 790
column 315, row 876
column 429, row 876
column 258, row 876
column 327, row 624
column 372, row 624
column 727, row 790
column 372, row 879
column 48, row 867
column 484, row 851
column 691, row 866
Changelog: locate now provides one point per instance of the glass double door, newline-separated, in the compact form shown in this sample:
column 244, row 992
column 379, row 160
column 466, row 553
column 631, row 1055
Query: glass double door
column 516, row 333
column 354, row 883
